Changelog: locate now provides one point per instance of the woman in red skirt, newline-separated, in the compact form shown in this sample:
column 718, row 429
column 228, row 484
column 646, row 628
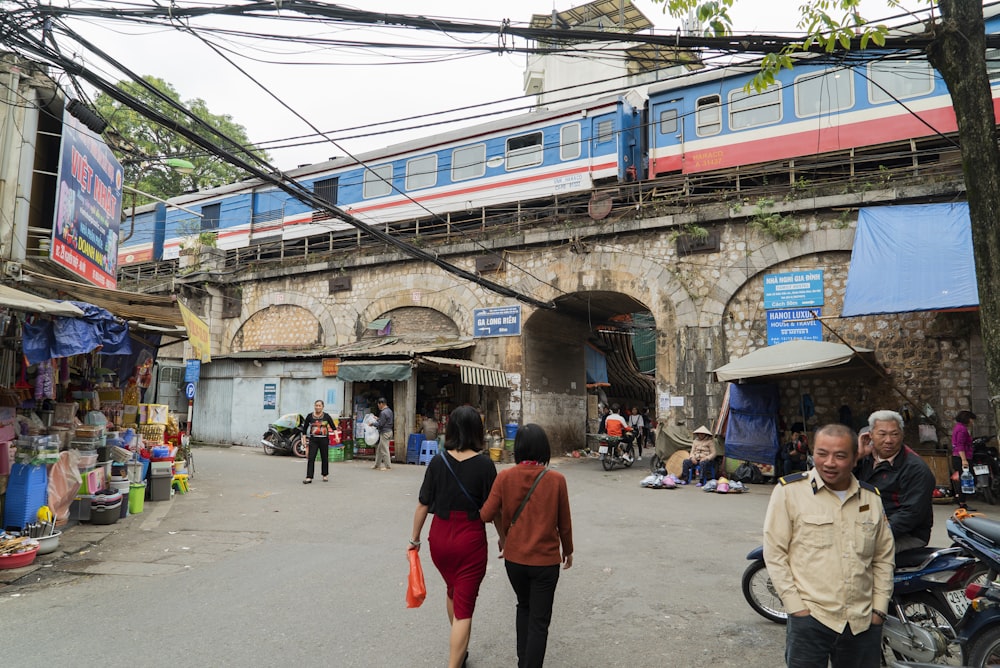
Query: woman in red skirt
column 456, row 485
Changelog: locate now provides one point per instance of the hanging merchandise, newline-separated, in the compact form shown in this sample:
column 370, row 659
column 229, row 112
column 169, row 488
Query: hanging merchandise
column 45, row 381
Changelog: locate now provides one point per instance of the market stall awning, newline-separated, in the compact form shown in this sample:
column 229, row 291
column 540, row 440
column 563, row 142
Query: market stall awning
column 792, row 357
column 911, row 258
column 362, row 370
column 472, row 373
column 24, row 301
column 152, row 309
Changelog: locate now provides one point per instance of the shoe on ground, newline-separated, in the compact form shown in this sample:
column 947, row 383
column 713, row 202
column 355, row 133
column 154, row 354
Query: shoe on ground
column 326, row 479
column 307, row 481
column 374, row 468
column 682, row 482
column 638, row 459
column 382, row 468
column 699, row 484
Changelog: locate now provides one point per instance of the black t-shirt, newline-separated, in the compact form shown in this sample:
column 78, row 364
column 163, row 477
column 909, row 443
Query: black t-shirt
column 319, row 427
column 441, row 493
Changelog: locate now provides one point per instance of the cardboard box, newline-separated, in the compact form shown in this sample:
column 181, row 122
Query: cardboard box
column 153, row 413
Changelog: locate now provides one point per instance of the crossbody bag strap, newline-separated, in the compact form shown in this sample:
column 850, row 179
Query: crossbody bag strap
column 527, row 496
column 459, row 481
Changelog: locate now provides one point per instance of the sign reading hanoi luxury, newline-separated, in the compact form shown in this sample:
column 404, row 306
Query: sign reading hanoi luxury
column 88, row 206
column 794, row 289
column 496, row 321
column 794, row 325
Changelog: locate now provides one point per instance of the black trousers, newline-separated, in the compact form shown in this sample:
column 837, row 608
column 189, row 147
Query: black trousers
column 809, row 644
column 321, row 445
column 535, row 588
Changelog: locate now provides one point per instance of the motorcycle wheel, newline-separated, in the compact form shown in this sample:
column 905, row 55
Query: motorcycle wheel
column 608, row 460
column 268, row 443
column 299, row 448
column 985, row 650
column 928, row 612
column 760, row 593
column 994, row 490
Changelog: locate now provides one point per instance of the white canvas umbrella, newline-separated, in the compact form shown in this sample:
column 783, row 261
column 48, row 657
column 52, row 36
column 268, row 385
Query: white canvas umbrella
column 787, row 358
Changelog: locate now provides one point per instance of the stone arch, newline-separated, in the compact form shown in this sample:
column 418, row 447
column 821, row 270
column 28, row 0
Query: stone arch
column 767, row 256
column 442, row 293
column 319, row 310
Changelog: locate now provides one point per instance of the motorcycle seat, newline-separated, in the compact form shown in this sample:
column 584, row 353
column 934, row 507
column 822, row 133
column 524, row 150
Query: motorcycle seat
column 915, row 557
column 988, row 529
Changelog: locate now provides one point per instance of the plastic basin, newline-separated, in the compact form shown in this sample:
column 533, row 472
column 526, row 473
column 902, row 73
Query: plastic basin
column 18, row 560
column 47, row 544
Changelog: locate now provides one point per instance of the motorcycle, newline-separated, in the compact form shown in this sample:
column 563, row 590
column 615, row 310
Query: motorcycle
column 285, row 436
column 618, row 450
column 927, row 600
column 979, row 629
column 985, row 466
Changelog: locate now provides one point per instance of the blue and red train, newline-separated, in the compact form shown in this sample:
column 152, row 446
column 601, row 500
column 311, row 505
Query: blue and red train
column 701, row 122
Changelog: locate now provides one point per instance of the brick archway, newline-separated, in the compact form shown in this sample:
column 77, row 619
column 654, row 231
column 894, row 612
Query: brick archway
column 320, row 311
column 437, row 292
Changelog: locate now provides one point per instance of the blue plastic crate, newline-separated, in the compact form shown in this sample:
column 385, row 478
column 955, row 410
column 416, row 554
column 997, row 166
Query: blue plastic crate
column 413, row 444
column 27, row 491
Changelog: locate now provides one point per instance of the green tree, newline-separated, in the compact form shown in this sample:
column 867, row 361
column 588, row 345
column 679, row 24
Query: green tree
column 144, row 146
column 958, row 52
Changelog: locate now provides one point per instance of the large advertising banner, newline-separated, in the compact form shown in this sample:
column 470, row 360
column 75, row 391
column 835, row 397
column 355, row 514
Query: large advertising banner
column 89, row 206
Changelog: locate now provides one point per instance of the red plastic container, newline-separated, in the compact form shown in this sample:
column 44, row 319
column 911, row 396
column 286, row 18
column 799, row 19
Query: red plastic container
column 18, row 560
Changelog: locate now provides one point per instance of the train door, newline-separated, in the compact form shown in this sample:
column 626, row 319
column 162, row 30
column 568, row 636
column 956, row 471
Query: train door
column 605, row 146
column 666, row 137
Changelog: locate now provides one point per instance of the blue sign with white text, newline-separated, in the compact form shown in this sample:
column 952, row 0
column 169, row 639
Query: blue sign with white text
column 192, row 371
column 794, row 289
column 496, row 321
column 794, row 325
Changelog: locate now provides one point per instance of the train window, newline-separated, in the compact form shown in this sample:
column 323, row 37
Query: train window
column 569, row 142
column 605, row 131
column 708, row 120
column 524, row 151
column 893, row 80
column 210, row 216
column 993, row 63
column 750, row 110
column 377, row 182
column 468, row 162
column 668, row 121
column 818, row 94
column 421, row 172
column 327, row 189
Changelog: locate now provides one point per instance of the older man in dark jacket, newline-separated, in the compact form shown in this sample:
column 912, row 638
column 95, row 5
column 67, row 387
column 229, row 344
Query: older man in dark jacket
column 903, row 479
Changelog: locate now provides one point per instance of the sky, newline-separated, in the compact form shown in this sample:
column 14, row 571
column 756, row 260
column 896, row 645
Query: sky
column 337, row 89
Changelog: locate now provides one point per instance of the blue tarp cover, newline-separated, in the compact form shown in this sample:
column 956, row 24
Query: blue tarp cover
column 911, row 258
column 63, row 337
column 752, row 430
column 597, row 366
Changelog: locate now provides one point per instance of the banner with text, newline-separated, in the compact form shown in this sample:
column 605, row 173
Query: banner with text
column 794, row 325
column 88, row 206
column 496, row 321
column 198, row 335
column 794, row 289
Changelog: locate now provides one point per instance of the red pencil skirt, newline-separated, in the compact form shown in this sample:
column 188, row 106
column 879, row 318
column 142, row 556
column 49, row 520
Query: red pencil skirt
column 458, row 550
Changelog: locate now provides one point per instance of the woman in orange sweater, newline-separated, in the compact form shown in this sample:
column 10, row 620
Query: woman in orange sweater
column 532, row 503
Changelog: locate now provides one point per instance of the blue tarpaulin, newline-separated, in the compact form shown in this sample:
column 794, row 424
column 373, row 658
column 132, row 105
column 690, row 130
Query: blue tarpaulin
column 752, row 429
column 64, row 337
column 911, row 258
column 597, row 366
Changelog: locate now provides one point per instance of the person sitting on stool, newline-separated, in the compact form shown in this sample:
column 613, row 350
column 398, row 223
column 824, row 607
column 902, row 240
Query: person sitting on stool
column 702, row 456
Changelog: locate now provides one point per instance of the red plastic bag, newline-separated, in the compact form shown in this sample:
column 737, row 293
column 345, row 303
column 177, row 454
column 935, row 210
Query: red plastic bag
column 416, row 592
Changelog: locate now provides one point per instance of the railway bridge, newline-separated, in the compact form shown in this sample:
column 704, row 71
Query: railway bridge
column 659, row 285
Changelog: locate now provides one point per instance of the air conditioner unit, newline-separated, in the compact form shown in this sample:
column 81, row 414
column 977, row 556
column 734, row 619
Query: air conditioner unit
column 12, row 270
column 534, row 81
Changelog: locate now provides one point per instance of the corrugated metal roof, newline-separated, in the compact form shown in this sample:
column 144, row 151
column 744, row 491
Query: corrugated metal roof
column 472, row 373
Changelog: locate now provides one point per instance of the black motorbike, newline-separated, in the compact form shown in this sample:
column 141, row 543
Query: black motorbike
column 284, row 436
column 979, row 628
column 617, row 450
column 985, row 466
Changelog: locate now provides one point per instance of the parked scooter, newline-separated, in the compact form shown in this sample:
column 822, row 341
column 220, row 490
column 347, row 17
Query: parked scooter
column 618, row 450
column 986, row 469
column 285, row 436
column 979, row 629
column 928, row 597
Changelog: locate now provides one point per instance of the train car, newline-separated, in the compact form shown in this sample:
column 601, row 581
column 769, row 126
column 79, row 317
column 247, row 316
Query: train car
column 707, row 121
column 528, row 157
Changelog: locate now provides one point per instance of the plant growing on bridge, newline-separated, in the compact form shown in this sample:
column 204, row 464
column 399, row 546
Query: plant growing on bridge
column 772, row 223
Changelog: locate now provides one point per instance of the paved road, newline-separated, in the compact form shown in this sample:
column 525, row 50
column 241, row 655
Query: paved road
column 252, row 568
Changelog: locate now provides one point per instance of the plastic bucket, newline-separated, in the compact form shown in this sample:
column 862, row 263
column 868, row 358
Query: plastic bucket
column 495, row 454
column 136, row 497
column 122, row 487
column 510, row 431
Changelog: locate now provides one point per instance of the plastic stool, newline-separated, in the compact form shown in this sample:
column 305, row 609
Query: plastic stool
column 428, row 450
column 180, row 482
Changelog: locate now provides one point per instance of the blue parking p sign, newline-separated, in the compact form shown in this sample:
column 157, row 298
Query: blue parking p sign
column 189, row 391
